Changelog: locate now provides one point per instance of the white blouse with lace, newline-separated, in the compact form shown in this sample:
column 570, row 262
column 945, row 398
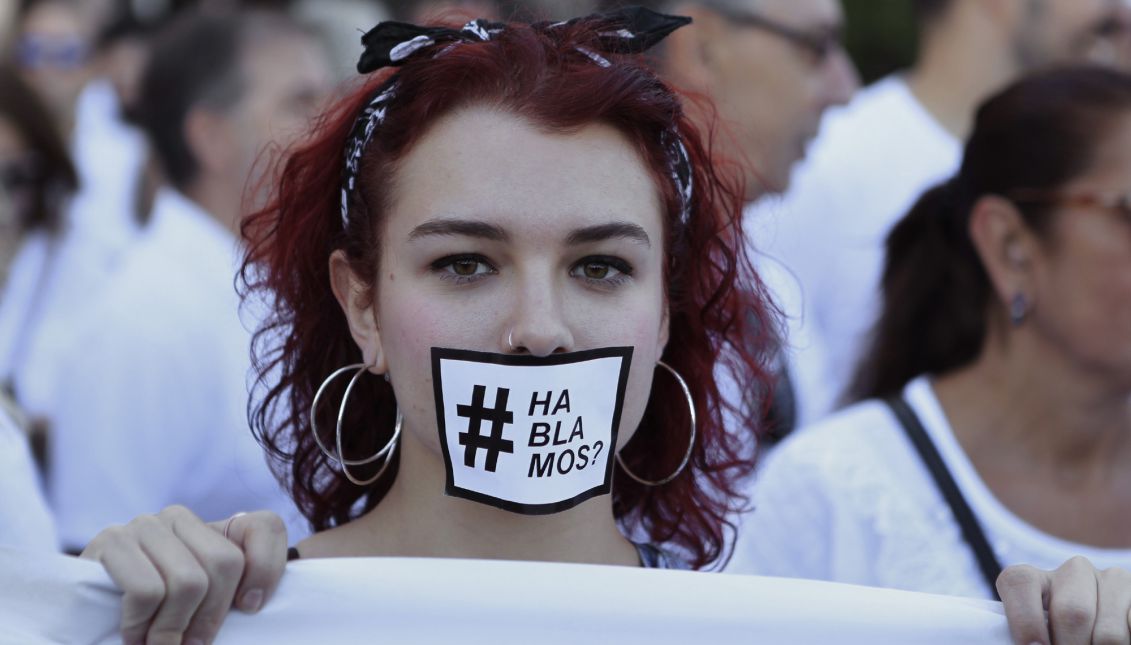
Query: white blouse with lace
column 849, row 500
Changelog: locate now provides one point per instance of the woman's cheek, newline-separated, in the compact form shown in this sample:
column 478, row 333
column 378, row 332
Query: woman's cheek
column 643, row 334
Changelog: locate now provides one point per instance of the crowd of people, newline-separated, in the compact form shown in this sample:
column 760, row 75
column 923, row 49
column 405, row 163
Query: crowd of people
column 784, row 325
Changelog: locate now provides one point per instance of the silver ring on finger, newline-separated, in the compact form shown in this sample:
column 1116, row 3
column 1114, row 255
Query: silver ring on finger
column 228, row 524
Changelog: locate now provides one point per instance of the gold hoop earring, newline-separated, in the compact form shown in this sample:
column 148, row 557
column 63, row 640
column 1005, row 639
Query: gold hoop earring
column 386, row 451
column 690, row 445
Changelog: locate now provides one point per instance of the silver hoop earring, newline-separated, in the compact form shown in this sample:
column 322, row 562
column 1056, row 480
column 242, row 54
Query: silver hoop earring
column 386, row 451
column 690, row 445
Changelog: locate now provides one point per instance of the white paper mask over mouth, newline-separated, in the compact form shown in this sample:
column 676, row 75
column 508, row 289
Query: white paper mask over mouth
column 529, row 434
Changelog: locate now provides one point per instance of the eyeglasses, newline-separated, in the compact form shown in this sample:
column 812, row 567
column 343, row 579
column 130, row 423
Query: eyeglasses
column 1115, row 25
column 820, row 44
column 1120, row 204
column 37, row 52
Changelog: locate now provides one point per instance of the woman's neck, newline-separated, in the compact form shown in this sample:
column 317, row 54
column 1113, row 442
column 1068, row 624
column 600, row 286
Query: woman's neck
column 1048, row 436
column 1039, row 405
column 416, row 519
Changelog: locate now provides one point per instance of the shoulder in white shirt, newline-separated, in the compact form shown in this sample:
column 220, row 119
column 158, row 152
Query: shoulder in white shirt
column 849, row 500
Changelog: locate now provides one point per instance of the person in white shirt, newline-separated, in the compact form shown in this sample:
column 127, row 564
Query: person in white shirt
column 875, row 156
column 59, row 275
column 996, row 425
column 152, row 409
column 44, row 280
column 771, row 68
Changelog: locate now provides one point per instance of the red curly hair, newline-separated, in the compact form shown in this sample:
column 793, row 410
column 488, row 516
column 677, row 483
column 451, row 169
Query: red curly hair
column 720, row 318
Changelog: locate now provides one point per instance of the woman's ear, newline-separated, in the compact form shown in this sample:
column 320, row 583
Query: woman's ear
column 357, row 303
column 1007, row 247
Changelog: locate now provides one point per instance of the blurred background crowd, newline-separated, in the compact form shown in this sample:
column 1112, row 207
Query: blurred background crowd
column 134, row 134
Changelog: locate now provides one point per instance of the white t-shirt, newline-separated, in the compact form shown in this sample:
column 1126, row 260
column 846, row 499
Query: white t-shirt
column 52, row 283
column 871, row 161
column 849, row 500
column 25, row 522
column 153, row 409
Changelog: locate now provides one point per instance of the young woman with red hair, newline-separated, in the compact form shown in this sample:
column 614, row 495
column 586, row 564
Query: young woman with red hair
column 530, row 191
column 530, row 196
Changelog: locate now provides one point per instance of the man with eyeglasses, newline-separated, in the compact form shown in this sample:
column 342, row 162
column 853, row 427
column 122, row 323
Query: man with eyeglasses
column 771, row 67
column 877, row 155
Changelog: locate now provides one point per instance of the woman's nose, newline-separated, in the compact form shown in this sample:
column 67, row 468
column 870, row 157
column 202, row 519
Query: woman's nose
column 537, row 324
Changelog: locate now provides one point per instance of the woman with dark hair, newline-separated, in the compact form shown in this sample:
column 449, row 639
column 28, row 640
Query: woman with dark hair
column 999, row 378
column 36, row 178
column 524, row 228
column 36, row 181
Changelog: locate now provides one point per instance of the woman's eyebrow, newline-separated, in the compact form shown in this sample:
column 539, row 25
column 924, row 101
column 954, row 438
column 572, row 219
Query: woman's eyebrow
column 600, row 232
column 464, row 227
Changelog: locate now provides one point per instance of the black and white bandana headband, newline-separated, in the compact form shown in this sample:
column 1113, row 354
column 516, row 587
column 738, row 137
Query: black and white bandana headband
column 391, row 44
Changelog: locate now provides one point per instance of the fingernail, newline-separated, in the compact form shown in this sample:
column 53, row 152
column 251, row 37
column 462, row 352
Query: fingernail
column 251, row 601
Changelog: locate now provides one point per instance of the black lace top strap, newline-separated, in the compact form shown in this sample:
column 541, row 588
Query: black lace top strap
column 653, row 557
column 967, row 521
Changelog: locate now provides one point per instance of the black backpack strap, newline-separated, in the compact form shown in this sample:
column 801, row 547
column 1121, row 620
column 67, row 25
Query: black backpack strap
column 971, row 529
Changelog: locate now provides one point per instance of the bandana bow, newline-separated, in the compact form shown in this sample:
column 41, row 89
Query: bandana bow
column 630, row 30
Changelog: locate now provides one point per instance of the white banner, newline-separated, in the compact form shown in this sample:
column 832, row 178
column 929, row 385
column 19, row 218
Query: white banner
column 58, row 599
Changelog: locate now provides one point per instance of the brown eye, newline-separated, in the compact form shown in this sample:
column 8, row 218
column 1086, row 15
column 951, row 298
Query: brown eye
column 602, row 270
column 596, row 271
column 465, row 267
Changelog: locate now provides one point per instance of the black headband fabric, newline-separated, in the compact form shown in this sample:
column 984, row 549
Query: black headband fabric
column 391, row 43
column 630, row 30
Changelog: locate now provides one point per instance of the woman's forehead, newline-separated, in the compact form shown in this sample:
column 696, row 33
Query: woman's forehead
column 493, row 165
column 1110, row 166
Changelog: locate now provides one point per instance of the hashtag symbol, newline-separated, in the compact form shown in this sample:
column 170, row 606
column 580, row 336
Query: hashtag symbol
column 476, row 413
